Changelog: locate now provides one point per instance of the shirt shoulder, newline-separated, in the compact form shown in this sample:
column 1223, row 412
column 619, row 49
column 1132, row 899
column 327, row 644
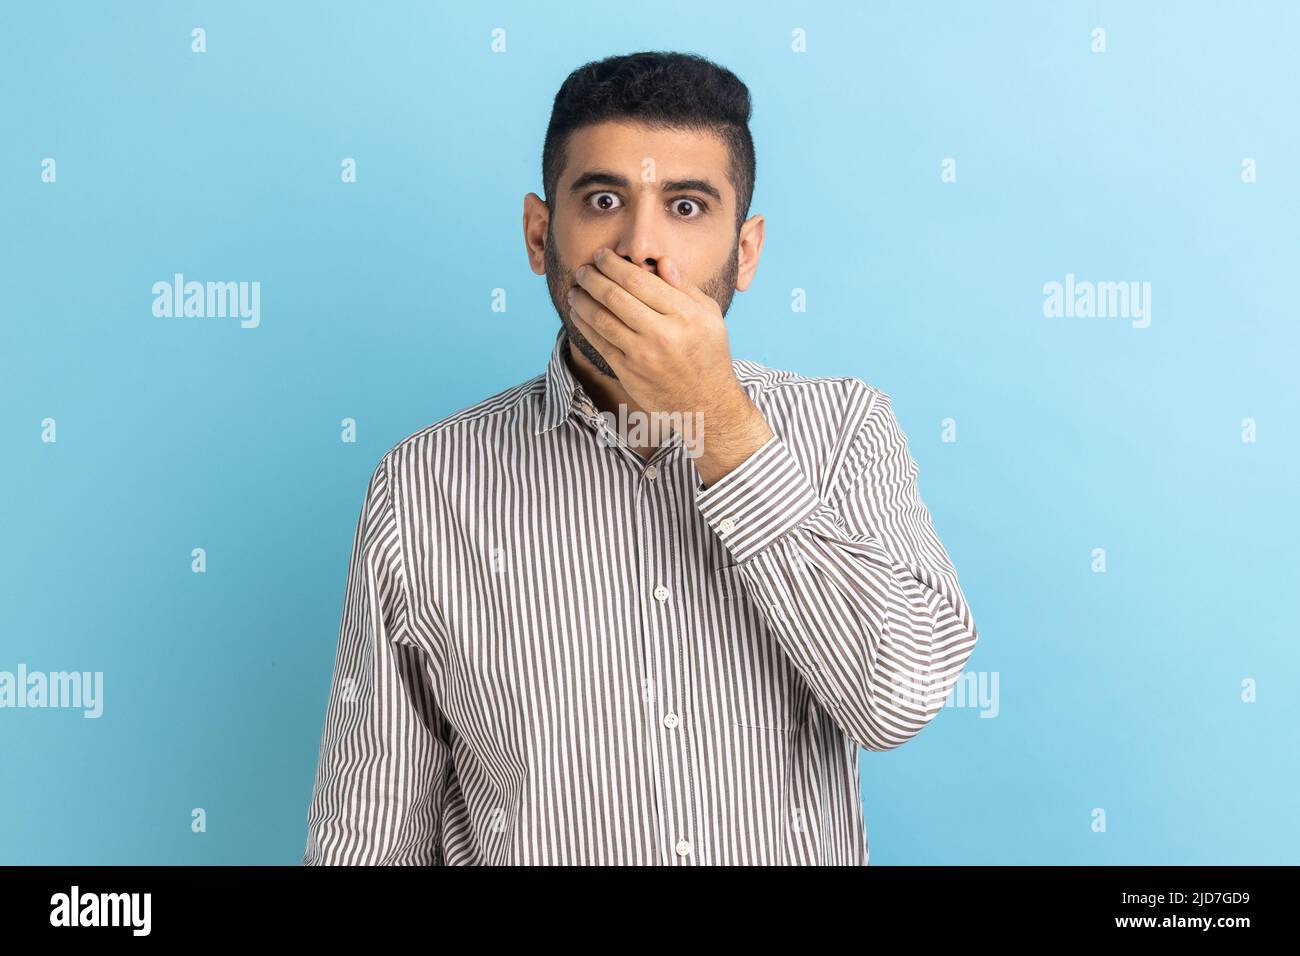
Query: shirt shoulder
column 844, row 398
column 516, row 409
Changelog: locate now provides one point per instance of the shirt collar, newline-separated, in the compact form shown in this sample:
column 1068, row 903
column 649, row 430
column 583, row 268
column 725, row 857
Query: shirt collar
column 559, row 397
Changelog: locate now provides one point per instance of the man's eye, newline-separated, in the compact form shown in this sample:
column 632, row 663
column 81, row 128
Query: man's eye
column 689, row 208
column 603, row 201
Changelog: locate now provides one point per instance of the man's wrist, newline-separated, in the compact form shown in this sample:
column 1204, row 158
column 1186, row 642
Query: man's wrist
column 730, row 436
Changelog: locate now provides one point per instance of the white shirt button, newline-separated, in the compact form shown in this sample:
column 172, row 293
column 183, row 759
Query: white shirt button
column 727, row 525
column 683, row 847
column 661, row 593
column 670, row 721
column 652, row 472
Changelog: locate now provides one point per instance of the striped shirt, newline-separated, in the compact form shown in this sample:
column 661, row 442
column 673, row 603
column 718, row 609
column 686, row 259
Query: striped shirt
column 556, row 651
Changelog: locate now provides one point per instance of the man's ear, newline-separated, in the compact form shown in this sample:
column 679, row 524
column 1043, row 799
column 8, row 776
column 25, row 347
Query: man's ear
column 749, row 248
column 537, row 217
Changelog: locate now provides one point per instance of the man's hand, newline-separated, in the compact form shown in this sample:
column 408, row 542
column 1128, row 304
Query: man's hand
column 667, row 342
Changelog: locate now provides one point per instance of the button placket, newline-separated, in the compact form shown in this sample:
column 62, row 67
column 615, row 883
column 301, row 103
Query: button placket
column 671, row 738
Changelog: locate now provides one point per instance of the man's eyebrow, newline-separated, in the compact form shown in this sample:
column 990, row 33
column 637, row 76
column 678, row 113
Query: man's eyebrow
column 603, row 177
column 690, row 185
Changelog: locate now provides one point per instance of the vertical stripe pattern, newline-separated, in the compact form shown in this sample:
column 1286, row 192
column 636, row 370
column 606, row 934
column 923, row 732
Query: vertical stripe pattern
column 555, row 651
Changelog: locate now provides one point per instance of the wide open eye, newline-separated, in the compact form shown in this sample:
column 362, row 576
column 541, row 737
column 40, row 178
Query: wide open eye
column 688, row 207
column 604, row 201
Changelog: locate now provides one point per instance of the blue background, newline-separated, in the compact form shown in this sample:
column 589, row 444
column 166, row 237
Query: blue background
column 1119, row 691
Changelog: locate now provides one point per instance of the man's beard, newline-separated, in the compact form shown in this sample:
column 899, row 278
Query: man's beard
column 559, row 280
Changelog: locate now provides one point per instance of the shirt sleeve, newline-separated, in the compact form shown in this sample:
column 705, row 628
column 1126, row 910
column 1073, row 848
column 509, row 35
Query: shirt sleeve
column 855, row 583
column 380, row 778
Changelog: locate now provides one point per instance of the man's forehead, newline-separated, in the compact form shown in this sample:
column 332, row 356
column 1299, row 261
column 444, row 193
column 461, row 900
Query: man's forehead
column 625, row 148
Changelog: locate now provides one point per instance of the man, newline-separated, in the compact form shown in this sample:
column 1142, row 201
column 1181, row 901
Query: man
column 645, row 607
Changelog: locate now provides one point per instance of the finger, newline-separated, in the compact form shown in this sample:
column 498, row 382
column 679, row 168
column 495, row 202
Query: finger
column 651, row 297
column 617, row 300
column 673, row 276
column 608, row 350
column 612, row 328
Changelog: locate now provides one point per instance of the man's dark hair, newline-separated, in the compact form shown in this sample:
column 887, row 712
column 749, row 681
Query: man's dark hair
column 663, row 91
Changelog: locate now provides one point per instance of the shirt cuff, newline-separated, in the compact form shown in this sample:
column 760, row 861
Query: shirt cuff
column 758, row 501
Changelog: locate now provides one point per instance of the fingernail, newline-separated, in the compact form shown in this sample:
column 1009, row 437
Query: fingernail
column 582, row 271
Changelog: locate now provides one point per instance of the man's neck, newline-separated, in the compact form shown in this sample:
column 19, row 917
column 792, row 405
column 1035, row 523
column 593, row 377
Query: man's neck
column 606, row 393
